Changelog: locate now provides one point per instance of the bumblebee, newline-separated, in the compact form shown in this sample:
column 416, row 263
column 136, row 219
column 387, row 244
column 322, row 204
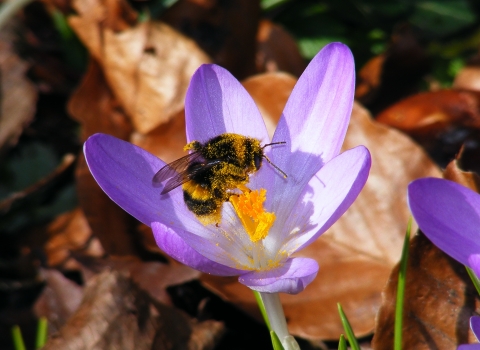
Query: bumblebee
column 211, row 171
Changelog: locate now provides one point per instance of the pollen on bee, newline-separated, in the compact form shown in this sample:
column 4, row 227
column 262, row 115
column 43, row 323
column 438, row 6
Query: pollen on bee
column 249, row 207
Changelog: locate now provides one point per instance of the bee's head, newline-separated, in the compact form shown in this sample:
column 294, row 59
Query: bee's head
column 258, row 158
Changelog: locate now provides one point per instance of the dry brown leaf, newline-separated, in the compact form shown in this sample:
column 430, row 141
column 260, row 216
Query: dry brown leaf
column 440, row 298
column 68, row 233
column 468, row 78
column 18, row 94
column 59, row 299
column 225, row 30
column 270, row 92
column 443, row 122
column 277, row 50
column 115, row 314
column 148, row 65
column 394, row 74
column 357, row 254
column 151, row 277
column 94, row 105
column 430, row 113
column 166, row 141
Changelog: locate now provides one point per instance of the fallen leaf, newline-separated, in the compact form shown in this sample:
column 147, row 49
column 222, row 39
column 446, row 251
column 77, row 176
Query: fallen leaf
column 19, row 95
column 394, row 74
column 152, row 277
column 70, row 233
column 147, row 65
column 468, row 78
column 59, row 299
column 357, row 254
column 442, row 122
column 270, row 91
column 225, row 30
column 115, row 314
column 277, row 50
column 94, row 105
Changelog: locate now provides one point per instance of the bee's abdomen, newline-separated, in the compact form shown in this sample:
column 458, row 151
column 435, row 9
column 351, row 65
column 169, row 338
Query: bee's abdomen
column 204, row 206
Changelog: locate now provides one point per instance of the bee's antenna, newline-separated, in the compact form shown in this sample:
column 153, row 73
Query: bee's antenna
column 274, row 143
column 268, row 160
column 276, row 167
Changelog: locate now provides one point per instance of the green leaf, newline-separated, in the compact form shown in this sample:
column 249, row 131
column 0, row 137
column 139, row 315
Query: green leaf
column 442, row 17
column 474, row 278
column 277, row 344
column 397, row 339
column 42, row 333
column 348, row 329
column 17, row 338
column 342, row 343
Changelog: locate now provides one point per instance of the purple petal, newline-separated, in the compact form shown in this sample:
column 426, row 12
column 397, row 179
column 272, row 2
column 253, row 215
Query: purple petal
column 316, row 116
column 292, row 277
column 475, row 326
column 474, row 263
column 448, row 214
column 324, row 200
column 176, row 247
column 313, row 123
column 469, row 347
column 125, row 173
column 217, row 103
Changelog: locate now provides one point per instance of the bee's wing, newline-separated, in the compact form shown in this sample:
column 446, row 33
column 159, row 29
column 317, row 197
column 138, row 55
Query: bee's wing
column 174, row 172
column 181, row 170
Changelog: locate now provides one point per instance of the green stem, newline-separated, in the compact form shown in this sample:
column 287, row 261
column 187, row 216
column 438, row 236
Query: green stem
column 397, row 333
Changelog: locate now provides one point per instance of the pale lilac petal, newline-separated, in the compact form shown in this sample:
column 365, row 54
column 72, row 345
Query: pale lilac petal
column 469, row 347
column 217, row 103
column 324, row 200
column 313, row 123
column 448, row 214
column 176, row 247
column 219, row 246
column 292, row 277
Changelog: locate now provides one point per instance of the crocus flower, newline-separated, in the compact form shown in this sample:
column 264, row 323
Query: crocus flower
column 290, row 212
column 449, row 215
column 475, row 326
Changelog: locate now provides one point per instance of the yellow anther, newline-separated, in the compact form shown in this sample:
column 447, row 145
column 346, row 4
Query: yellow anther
column 249, row 208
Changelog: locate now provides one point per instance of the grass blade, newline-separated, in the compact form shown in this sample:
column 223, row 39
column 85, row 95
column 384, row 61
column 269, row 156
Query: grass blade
column 474, row 278
column 342, row 344
column 42, row 332
column 17, row 338
column 402, row 274
column 277, row 344
column 348, row 329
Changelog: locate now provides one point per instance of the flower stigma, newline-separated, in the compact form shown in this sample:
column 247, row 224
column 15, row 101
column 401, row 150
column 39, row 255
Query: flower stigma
column 249, row 207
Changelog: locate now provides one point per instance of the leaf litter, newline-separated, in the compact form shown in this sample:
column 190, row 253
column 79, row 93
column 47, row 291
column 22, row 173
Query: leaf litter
column 106, row 283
